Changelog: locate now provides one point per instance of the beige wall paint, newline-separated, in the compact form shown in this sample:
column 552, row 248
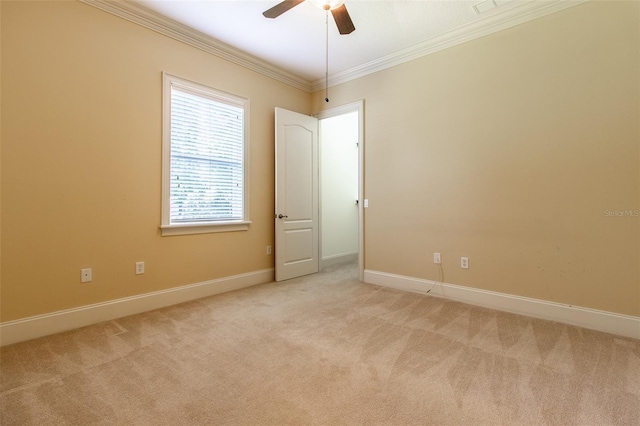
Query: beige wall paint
column 0, row 159
column 81, row 157
column 509, row 149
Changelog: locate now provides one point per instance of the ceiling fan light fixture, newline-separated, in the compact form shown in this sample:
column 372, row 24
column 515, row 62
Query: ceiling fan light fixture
column 327, row 4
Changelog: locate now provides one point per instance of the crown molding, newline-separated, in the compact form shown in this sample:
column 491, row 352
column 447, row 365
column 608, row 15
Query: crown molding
column 507, row 18
column 161, row 24
column 510, row 17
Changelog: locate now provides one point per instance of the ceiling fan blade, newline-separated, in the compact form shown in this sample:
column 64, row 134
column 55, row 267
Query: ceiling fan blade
column 343, row 20
column 281, row 8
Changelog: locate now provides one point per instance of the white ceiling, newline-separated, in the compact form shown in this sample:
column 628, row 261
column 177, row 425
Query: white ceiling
column 387, row 32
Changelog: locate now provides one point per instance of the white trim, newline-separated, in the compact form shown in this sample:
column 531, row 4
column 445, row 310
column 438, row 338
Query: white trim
column 340, row 110
column 338, row 258
column 608, row 322
column 203, row 228
column 168, row 228
column 161, row 24
column 344, row 109
column 507, row 18
column 56, row 322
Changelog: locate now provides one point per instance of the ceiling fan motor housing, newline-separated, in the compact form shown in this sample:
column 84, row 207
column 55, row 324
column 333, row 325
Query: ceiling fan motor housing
column 327, row 4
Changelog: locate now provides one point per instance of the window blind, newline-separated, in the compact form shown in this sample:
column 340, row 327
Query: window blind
column 207, row 142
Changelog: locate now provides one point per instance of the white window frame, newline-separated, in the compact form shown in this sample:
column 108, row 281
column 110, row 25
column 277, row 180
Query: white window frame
column 182, row 228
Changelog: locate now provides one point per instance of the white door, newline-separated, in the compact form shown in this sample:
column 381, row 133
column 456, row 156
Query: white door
column 296, row 201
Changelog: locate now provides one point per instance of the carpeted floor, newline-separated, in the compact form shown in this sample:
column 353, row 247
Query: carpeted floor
column 323, row 349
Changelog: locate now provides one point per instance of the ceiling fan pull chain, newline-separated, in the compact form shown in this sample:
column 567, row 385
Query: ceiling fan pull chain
column 326, row 73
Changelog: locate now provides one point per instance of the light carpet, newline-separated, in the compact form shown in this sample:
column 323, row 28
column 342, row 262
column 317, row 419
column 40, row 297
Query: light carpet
column 322, row 349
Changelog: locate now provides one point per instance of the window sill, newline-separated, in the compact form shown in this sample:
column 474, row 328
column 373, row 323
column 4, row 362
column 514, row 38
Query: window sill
column 203, row 228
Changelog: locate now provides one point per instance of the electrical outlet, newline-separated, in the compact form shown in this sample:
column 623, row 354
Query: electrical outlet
column 139, row 268
column 464, row 262
column 268, row 250
column 436, row 258
column 86, row 275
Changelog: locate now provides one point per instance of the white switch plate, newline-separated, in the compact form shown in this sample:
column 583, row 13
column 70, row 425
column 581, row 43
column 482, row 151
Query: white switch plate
column 86, row 275
column 139, row 268
column 436, row 258
column 268, row 250
column 366, row 203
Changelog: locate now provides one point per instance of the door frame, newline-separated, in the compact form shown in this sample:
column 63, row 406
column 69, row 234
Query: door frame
column 357, row 106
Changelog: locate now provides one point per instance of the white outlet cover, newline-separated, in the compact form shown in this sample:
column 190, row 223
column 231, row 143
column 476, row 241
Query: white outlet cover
column 464, row 262
column 86, row 275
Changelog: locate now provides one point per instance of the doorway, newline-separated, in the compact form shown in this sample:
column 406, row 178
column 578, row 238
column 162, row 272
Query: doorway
column 341, row 185
column 298, row 188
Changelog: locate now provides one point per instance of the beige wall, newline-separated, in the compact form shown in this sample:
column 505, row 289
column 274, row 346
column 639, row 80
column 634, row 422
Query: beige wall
column 509, row 149
column 81, row 156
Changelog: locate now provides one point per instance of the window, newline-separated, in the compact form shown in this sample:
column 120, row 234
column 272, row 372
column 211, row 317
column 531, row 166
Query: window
column 205, row 185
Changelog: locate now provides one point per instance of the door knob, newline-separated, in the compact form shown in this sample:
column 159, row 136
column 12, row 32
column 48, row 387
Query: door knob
column 282, row 216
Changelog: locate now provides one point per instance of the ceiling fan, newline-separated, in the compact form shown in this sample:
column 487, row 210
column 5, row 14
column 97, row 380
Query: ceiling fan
column 337, row 8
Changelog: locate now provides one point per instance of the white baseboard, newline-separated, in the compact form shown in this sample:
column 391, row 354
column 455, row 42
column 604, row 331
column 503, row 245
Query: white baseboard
column 56, row 322
column 339, row 258
column 609, row 322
